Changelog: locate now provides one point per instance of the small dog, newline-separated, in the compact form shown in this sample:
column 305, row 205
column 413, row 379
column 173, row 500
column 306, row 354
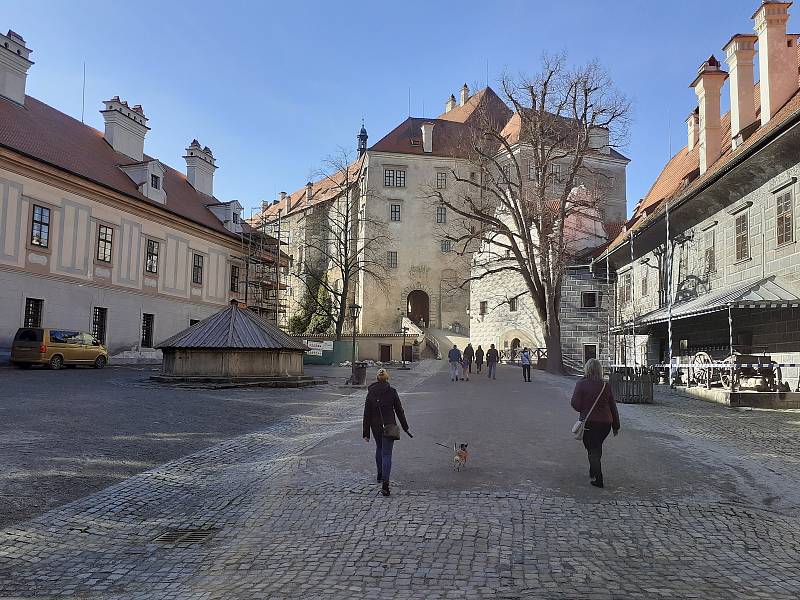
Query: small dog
column 460, row 456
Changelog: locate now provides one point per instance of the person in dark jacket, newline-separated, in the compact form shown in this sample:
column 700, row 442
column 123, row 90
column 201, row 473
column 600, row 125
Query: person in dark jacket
column 469, row 356
column 600, row 421
column 492, row 358
column 380, row 408
column 479, row 358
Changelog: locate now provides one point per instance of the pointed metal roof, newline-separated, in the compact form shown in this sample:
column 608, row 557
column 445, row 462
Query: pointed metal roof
column 234, row 328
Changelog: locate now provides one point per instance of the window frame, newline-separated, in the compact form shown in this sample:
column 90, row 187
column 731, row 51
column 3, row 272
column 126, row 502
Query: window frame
column 710, row 249
column 394, row 177
column 37, row 314
column 149, row 254
column 441, row 214
column 391, row 259
column 513, row 305
column 595, row 294
column 787, row 216
column 441, row 180
column 234, row 279
column 446, row 246
column 596, row 351
column 197, row 268
column 148, row 329
column 744, row 234
column 155, row 181
column 99, row 328
column 483, row 307
column 44, row 226
column 104, row 251
column 395, row 213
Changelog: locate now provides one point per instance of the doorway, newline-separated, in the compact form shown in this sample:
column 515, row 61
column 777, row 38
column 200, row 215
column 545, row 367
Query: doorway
column 385, row 352
column 418, row 309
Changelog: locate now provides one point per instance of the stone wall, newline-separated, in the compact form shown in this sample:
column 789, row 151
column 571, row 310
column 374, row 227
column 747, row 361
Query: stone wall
column 581, row 326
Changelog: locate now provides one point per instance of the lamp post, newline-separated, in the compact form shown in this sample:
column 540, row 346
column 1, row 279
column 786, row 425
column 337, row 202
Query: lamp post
column 355, row 310
column 403, row 349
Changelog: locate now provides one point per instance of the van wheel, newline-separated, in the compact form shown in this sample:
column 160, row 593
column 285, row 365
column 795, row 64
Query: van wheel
column 100, row 362
column 56, row 362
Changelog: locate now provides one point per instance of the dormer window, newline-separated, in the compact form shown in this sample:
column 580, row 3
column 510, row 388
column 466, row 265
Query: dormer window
column 236, row 217
column 155, row 182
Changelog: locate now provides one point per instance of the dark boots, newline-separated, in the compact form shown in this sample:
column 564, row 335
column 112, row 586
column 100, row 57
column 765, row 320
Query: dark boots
column 385, row 489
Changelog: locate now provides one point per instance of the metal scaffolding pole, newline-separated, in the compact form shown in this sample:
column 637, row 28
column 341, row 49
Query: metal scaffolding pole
column 668, row 261
column 608, row 312
column 633, row 306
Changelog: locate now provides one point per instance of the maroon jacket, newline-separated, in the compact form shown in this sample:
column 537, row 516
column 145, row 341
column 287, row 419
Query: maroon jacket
column 586, row 391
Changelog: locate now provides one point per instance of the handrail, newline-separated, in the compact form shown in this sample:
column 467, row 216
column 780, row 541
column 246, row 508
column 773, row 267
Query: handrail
column 433, row 344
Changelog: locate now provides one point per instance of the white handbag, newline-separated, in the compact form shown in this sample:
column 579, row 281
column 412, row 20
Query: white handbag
column 580, row 425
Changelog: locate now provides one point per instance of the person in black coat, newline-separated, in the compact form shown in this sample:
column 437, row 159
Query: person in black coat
column 469, row 356
column 380, row 408
column 479, row 358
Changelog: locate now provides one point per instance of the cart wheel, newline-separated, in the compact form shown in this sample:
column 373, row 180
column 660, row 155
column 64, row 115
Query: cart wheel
column 725, row 375
column 699, row 371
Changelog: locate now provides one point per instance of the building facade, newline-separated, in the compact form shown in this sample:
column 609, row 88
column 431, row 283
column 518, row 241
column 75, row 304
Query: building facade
column 97, row 236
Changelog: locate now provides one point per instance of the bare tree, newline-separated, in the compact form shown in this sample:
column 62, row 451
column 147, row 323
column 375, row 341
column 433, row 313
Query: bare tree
column 344, row 244
column 531, row 196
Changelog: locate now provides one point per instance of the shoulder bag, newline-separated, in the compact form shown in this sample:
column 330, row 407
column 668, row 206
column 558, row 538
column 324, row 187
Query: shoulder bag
column 390, row 431
column 580, row 425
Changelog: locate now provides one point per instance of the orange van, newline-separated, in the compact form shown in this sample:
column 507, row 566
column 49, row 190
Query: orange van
column 57, row 348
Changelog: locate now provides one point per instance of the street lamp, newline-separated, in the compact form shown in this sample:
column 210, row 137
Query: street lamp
column 403, row 349
column 355, row 310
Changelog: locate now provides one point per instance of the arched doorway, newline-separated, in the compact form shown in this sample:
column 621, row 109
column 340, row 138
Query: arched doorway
column 419, row 307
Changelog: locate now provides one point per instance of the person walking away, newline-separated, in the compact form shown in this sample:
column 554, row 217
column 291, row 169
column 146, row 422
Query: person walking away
column 492, row 357
column 600, row 420
column 525, row 360
column 454, row 356
column 469, row 356
column 479, row 358
column 464, row 369
column 380, row 408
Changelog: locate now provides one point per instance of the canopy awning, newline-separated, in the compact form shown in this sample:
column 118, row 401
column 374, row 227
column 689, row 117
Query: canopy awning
column 771, row 292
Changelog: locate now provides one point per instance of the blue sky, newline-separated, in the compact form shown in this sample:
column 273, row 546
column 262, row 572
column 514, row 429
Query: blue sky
column 276, row 88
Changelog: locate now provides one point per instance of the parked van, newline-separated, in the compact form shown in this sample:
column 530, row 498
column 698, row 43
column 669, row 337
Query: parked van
column 56, row 348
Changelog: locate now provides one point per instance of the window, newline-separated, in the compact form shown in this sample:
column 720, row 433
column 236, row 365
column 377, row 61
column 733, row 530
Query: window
column 441, row 214
column 394, row 212
column 99, row 316
column 709, row 253
column 645, row 285
column 784, row 218
column 555, row 173
column 512, row 304
column 683, row 262
column 104, row 242
column 391, row 259
column 234, row 278
column 236, row 218
column 532, row 171
column 155, row 182
column 33, row 312
column 147, row 330
column 40, row 226
column 484, row 307
column 741, row 240
column 589, row 300
column 151, row 258
column 441, row 181
column 394, row 178
column 197, row 269
column 625, row 290
column 589, row 352
column 446, row 246
column 507, row 172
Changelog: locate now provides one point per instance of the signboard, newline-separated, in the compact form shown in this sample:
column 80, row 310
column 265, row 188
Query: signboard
column 314, row 353
column 327, row 345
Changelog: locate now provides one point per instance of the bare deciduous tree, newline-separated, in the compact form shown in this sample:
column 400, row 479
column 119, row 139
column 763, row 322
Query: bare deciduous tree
column 531, row 195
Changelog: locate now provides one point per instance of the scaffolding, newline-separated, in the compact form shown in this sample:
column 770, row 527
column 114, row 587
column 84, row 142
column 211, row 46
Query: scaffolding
column 266, row 268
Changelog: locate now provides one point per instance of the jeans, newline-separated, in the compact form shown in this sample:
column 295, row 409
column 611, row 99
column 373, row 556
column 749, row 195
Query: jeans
column 491, row 367
column 469, row 364
column 455, row 371
column 593, row 437
column 526, row 372
column 383, row 454
column 479, row 365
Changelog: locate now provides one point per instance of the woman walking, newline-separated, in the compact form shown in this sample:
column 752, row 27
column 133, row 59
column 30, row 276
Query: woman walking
column 594, row 401
column 380, row 408
column 479, row 358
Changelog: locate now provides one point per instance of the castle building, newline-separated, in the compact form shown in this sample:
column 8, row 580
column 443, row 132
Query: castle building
column 98, row 236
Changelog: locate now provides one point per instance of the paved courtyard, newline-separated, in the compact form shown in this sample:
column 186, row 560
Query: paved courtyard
column 701, row 502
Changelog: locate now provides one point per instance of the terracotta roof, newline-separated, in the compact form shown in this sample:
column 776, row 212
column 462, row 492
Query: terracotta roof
column 48, row 135
column 449, row 138
column 487, row 100
column 234, row 327
column 680, row 175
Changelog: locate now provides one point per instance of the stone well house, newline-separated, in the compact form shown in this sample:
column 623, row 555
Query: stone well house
column 97, row 236
column 731, row 196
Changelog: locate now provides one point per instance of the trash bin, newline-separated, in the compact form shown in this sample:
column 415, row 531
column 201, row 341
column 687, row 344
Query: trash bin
column 359, row 373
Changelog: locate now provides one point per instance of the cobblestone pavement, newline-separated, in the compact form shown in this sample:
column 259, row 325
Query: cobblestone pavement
column 292, row 512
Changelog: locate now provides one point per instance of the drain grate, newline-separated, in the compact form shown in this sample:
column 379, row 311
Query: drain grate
column 185, row 536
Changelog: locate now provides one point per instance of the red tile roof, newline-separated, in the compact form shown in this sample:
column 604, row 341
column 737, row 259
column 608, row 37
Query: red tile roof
column 45, row 134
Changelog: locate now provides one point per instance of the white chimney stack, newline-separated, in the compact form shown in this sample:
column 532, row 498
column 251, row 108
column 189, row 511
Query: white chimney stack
column 693, row 129
column 707, row 85
column 126, row 127
column 200, row 167
column 739, row 53
column 427, row 137
column 14, row 65
column 450, row 104
column 464, row 95
column 777, row 57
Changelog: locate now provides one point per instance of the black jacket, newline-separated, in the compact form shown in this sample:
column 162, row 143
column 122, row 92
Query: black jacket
column 492, row 356
column 479, row 355
column 469, row 354
column 381, row 394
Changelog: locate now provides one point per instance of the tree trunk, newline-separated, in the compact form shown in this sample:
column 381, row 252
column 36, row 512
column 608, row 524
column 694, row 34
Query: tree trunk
column 552, row 339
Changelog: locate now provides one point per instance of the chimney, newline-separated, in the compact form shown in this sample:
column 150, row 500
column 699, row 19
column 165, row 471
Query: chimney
column 739, row 53
column 200, row 167
column 464, row 95
column 427, row 136
column 125, row 127
column 777, row 57
column 693, row 128
column 309, row 193
column 450, row 104
column 14, row 65
column 707, row 85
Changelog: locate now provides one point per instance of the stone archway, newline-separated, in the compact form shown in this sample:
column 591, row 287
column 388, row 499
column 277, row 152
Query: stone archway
column 418, row 307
